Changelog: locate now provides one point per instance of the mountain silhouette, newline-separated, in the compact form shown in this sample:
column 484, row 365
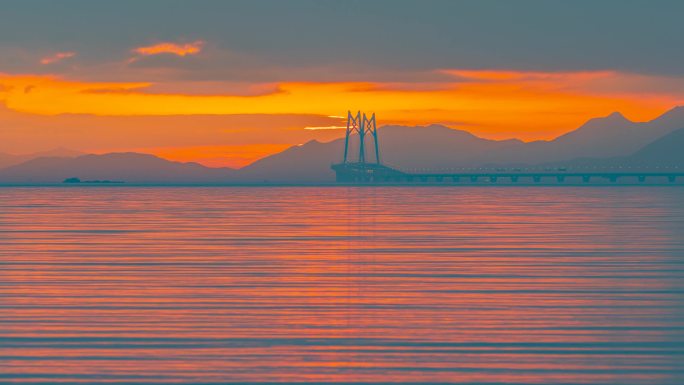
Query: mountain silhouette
column 309, row 162
column 7, row 160
column 610, row 140
column 666, row 151
column 127, row 167
column 610, row 136
column 433, row 146
column 438, row 147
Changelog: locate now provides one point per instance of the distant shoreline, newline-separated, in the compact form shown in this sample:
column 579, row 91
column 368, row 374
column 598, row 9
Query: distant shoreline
column 95, row 181
column 333, row 184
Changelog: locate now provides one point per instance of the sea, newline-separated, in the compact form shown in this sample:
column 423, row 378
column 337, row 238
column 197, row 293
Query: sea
column 342, row 284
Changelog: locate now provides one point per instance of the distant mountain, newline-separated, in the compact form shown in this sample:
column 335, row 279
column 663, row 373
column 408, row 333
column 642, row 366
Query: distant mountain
column 438, row 147
column 309, row 162
column 663, row 152
column 432, row 146
column 606, row 137
column 127, row 167
column 666, row 151
column 7, row 160
column 610, row 140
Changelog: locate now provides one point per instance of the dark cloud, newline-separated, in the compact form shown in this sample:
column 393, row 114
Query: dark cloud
column 266, row 40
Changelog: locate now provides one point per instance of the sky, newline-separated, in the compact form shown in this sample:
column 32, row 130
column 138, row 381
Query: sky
column 225, row 82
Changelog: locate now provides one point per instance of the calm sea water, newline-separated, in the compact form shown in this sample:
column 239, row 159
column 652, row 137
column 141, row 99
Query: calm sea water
column 341, row 284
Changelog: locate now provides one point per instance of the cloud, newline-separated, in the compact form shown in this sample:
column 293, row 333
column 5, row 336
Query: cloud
column 509, row 75
column 497, row 105
column 314, row 128
column 57, row 57
column 171, row 48
column 385, row 35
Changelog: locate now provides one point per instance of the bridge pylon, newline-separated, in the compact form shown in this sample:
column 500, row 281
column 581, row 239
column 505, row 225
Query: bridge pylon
column 361, row 125
column 359, row 168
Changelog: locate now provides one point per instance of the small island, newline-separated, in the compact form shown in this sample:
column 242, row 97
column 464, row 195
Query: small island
column 78, row 180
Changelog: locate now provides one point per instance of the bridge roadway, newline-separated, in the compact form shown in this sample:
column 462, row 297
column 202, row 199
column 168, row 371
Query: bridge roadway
column 378, row 173
column 537, row 177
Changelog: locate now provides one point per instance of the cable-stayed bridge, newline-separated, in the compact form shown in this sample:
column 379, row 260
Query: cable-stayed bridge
column 358, row 169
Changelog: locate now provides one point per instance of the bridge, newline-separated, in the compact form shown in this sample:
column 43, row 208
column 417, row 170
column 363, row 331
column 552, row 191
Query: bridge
column 360, row 170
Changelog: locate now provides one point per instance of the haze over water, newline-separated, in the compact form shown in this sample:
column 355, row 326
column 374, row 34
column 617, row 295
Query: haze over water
column 342, row 284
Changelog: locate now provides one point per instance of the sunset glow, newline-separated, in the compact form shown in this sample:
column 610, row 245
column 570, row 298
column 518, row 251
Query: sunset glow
column 331, row 192
column 167, row 80
column 171, row 48
column 491, row 104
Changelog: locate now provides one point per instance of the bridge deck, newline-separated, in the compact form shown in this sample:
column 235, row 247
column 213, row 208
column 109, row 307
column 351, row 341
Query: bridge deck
column 375, row 173
column 543, row 174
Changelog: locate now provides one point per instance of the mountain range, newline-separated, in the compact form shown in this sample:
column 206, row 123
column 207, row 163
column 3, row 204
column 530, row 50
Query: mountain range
column 7, row 160
column 129, row 167
column 607, row 140
column 437, row 147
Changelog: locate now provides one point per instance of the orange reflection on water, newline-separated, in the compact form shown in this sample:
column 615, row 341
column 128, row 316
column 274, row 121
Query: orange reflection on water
column 460, row 285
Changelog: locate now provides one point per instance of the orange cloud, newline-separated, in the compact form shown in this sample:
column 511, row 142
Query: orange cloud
column 523, row 105
column 171, row 48
column 563, row 77
column 315, row 128
column 57, row 57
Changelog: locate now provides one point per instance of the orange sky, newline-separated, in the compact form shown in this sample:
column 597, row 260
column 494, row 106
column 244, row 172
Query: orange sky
column 233, row 124
column 225, row 83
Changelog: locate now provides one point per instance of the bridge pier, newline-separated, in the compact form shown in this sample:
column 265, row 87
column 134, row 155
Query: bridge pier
column 514, row 179
column 672, row 178
column 492, row 179
column 642, row 178
column 560, row 178
column 536, row 178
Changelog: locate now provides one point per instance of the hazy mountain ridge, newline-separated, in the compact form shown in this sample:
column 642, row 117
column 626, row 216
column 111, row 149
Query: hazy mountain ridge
column 440, row 147
column 605, row 137
column 664, row 152
column 7, row 160
column 609, row 140
column 433, row 146
column 128, row 167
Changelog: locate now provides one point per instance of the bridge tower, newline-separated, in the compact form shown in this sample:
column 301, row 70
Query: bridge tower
column 359, row 169
column 361, row 125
